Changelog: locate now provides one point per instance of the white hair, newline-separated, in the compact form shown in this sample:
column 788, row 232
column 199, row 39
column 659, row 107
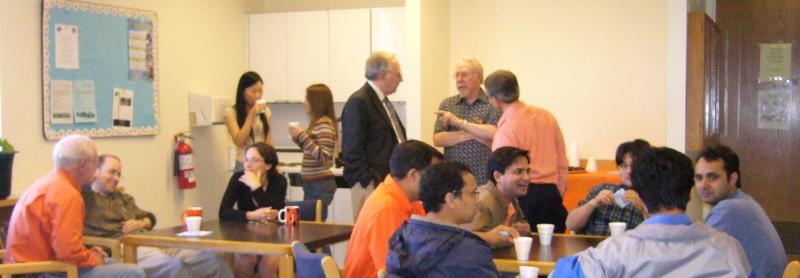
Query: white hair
column 377, row 63
column 73, row 150
column 473, row 63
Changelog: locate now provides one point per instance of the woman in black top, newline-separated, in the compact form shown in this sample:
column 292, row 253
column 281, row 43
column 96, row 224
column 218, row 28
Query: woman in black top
column 258, row 192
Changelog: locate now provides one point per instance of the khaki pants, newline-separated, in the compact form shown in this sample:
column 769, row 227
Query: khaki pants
column 358, row 195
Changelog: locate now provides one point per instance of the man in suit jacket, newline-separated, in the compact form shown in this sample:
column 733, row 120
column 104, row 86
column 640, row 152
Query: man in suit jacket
column 371, row 127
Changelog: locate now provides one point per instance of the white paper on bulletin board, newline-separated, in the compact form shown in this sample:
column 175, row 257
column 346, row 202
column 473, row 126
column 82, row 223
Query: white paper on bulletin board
column 775, row 62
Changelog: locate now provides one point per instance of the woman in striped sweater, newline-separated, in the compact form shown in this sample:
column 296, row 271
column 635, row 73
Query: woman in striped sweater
column 318, row 143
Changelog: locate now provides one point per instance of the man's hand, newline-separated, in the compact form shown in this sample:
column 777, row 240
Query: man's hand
column 133, row 225
column 605, row 197
column 632, row 197
column 522, row 227
column 498, row 237
column 99, row 255
column 448, row 118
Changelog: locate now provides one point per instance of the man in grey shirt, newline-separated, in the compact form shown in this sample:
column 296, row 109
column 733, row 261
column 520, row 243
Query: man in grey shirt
column 471, row 104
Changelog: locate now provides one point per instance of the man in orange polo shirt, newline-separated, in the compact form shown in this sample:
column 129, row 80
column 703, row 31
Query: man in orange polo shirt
column 47, row 221
column 392, row 203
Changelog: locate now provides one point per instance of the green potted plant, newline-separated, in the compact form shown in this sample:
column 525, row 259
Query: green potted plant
column 6, row 162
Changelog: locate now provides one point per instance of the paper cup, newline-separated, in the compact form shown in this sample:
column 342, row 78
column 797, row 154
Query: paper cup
column 545, row 233
column 522, row 245
column 261, row 101
column 193, row 223
column 528, row 272
column 617, row 228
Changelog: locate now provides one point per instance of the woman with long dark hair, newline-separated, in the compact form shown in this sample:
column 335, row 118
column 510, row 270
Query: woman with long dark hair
column 258, row 192
column 248, row 120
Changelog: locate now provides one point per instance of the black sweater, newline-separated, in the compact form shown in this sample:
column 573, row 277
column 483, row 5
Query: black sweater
column 240, row 194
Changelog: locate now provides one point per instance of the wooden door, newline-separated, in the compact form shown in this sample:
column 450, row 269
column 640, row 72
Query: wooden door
column 760, row 126
column 704, row 83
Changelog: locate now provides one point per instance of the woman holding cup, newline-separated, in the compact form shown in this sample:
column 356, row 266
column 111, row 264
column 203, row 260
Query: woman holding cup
column 248, row 120
column 318, row 142
column 258, row 192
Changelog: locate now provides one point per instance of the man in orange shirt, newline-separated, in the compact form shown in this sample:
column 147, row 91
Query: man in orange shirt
column 392, row 203
column 47, row 222
column 535, row 130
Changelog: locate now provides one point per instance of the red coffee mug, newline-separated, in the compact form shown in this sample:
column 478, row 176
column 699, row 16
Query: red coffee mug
column 291, row 215
column 191, row 211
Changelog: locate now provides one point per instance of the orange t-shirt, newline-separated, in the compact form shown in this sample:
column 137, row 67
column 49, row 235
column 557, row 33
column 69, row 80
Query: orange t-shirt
column 47, row 223
column 383, row 212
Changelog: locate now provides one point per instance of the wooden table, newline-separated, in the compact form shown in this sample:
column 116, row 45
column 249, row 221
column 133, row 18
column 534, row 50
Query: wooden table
column 545, row 257
column 579, row 185
column 241, row 237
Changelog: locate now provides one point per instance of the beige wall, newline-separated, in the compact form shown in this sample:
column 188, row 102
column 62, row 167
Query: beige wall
column 435, row 51
column 585, row 61
column 201, row 50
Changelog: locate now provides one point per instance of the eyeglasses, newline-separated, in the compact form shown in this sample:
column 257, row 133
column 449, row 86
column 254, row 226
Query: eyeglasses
column 474, row 193
column 399, row 74
column 462, row 74
column 253, row 160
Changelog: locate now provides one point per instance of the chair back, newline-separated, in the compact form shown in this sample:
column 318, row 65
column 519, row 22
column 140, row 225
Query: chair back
column 310, row 265
column 792, row 270
column 310, row 210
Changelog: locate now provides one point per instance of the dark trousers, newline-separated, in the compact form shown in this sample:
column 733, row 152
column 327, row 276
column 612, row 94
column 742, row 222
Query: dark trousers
column 543, row 204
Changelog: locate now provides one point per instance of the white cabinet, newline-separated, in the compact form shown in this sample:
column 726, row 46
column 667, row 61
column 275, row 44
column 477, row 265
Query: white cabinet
column 266, row 49
column 349, row 38
column 307, row 51
column 388, row 34
column 296, row 49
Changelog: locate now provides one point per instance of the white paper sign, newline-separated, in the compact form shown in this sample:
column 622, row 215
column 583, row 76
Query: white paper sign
column 85, row 109
column 774, row 106
column 60, row 101
column 123, row 108
column 67, row 53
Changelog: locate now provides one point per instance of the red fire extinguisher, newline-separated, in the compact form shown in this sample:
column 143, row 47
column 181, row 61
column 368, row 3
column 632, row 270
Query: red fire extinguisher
column 184, row 164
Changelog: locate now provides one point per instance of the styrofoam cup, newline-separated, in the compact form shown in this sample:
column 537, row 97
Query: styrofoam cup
column 545, row 233
column 617, row 228
column 522, row 245
column 528, row 272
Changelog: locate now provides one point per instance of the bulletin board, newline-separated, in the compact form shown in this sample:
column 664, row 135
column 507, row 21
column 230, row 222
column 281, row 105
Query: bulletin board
column 99, row 70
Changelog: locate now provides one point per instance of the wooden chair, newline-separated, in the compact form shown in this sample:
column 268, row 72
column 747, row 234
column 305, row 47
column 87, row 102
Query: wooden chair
column 381, row 273
column 313, row 264
column 792, row 270
column 36, row 267
column 310, row 210
column 111, row 243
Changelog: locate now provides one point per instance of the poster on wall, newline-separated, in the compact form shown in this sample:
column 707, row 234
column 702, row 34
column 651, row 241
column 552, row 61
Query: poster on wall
column 123, row 108
column 67, row 54
column 775, row 61
column 61, row 102
column 140, row 50
column 774, row 105
column 85, row 108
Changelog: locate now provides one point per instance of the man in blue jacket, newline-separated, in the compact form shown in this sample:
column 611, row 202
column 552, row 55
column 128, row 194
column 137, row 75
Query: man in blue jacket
column 435, row 245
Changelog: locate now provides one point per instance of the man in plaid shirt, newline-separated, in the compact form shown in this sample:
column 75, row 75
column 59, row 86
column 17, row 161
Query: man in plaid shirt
column 600, row 208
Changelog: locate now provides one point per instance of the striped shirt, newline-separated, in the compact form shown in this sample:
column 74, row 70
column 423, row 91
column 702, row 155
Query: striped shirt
column 318, row 150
